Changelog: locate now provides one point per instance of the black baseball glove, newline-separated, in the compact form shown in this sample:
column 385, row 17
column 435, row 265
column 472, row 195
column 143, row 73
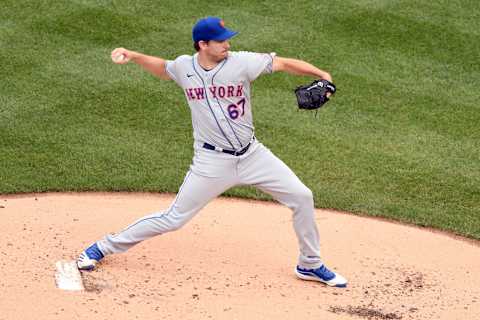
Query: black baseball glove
column 314, row 95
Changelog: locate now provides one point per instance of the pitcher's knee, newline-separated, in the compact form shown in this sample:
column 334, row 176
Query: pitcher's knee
column 303, row 197
column 176, row 224
column 174, row 220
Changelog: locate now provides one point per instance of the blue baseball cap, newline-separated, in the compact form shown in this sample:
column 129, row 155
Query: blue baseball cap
column 211, row 28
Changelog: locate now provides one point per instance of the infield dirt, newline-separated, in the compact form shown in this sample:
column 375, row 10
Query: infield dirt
column 234, row 260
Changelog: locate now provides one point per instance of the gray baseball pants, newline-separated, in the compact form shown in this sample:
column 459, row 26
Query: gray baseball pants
column 212, row 173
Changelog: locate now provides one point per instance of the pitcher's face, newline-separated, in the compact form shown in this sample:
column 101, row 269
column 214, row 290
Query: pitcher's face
column 217, row 50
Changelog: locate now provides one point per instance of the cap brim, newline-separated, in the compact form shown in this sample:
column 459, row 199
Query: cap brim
column 227, row 34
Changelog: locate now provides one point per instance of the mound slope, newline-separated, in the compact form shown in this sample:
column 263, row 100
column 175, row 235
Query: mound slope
column 234, row 260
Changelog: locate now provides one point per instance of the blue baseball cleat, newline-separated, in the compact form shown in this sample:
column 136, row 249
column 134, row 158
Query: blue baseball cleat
column 89, row 258
column 321, row 274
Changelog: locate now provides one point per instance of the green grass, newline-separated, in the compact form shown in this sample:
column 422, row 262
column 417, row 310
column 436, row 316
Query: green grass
column 401, row 139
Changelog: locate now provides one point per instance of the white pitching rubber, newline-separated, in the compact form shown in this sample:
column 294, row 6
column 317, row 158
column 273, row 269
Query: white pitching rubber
column 67, row 276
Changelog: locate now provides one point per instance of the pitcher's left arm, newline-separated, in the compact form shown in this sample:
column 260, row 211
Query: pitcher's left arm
column 299, row 67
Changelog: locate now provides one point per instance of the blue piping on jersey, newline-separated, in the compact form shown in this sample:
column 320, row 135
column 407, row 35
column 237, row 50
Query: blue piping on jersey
column 208, row 101
column 220, row 105
column 271, row 63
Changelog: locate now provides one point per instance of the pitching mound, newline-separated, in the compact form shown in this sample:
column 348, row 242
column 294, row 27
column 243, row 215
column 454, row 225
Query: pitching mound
column 234, row 260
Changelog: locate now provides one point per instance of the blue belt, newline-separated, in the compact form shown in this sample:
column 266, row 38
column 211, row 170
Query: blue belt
column 232, row 152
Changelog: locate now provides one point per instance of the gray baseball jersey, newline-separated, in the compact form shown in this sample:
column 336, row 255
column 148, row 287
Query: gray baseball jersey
column 219, row 99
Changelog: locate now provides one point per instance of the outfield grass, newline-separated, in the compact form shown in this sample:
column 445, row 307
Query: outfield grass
column 401, row 138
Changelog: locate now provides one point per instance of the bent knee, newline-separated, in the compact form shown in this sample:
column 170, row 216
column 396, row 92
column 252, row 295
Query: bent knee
column 305, row 194
column 174, row 225
column 174, row 221
column 302, row 197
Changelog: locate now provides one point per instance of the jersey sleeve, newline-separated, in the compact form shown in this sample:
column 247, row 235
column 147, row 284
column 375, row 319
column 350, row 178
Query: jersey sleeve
column 171, row 69
column 175, row 68
column 257, row 64
column 178, row 67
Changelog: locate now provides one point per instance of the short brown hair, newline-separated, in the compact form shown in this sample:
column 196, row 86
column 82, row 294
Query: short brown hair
column 196, row 44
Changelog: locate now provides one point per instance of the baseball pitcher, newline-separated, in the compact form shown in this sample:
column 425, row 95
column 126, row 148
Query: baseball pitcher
column 216, row 84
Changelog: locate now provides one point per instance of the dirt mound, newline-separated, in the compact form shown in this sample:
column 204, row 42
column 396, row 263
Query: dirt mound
column 235, row 260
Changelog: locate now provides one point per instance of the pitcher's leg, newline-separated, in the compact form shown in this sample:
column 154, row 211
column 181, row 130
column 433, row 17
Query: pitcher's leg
column 195, row 192
column 265, row 171
column 210, row 174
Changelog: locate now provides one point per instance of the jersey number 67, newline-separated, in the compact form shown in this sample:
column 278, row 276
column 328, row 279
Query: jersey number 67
column 235, row 109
